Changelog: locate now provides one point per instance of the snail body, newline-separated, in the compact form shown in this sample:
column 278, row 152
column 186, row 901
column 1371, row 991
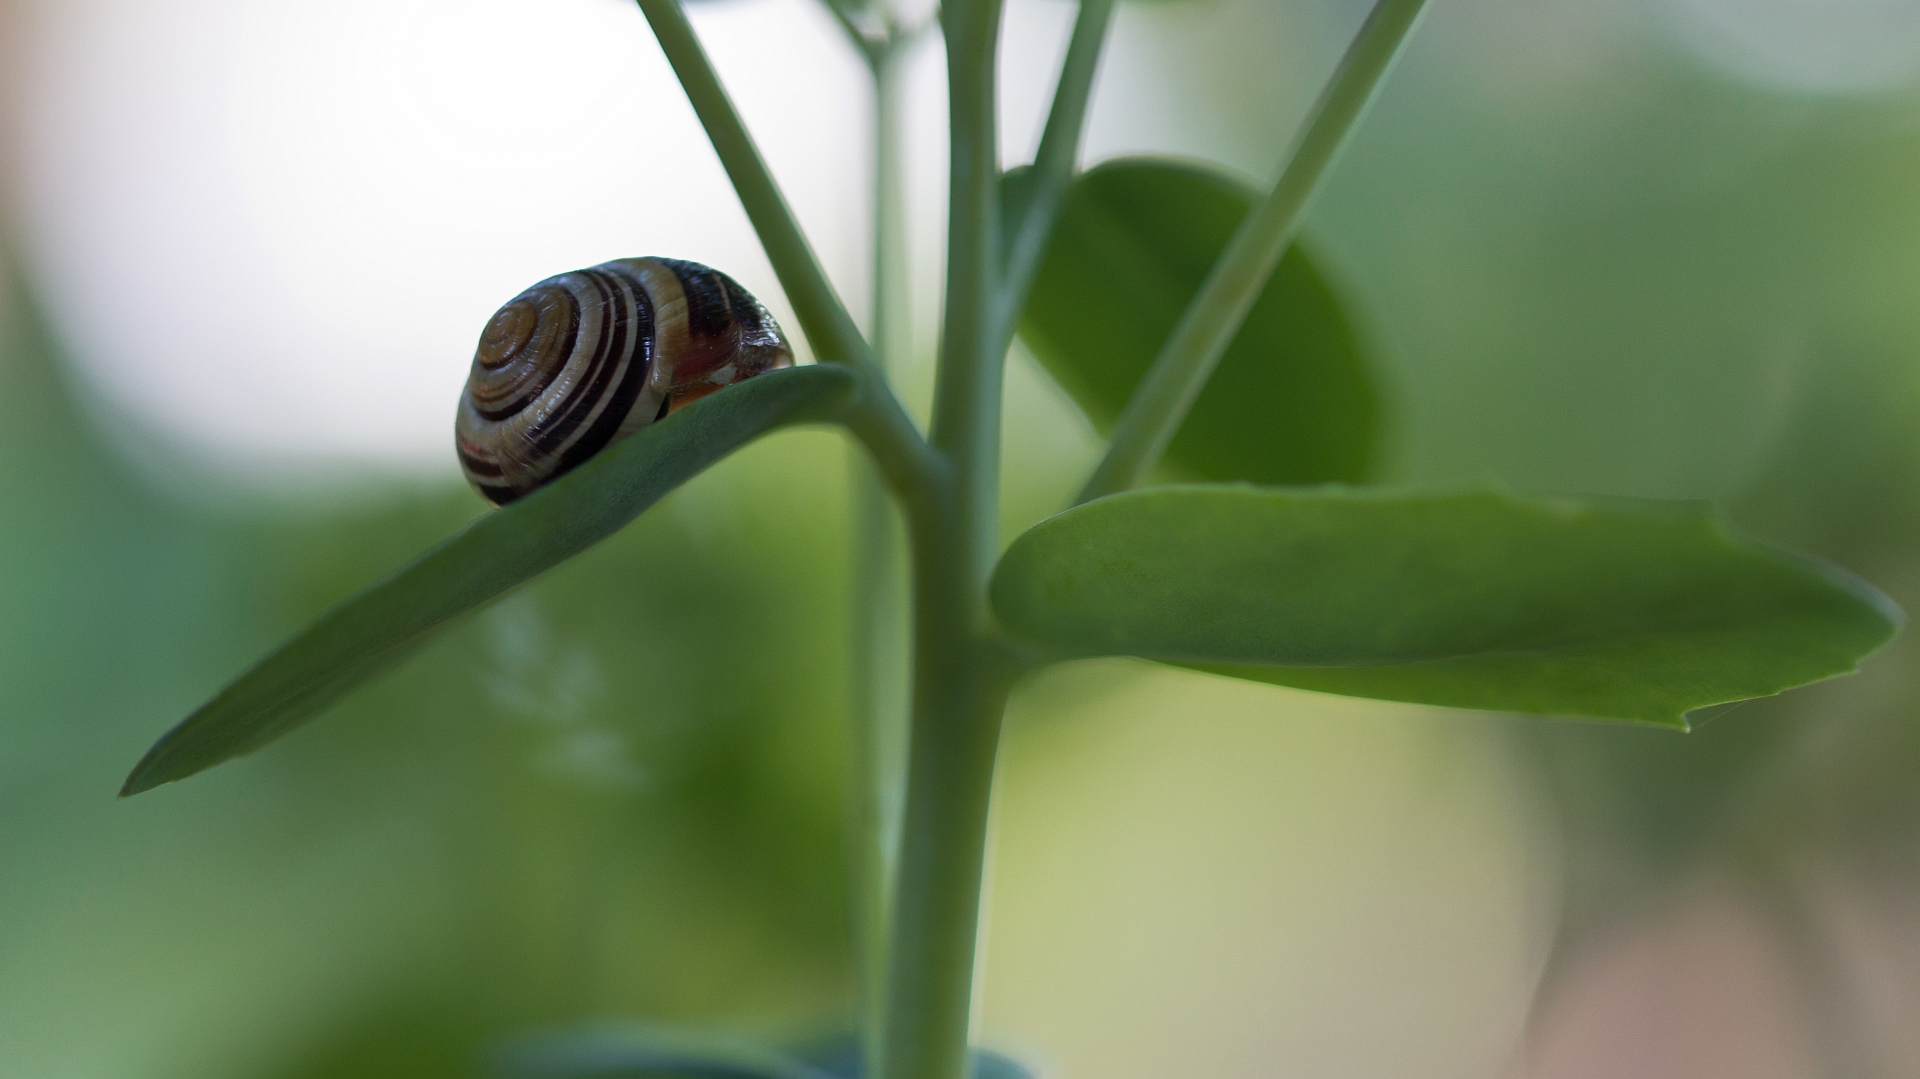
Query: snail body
column 584, row 359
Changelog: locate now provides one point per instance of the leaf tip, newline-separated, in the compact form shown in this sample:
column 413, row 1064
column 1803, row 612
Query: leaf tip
column 164, row 763
column 146, row 775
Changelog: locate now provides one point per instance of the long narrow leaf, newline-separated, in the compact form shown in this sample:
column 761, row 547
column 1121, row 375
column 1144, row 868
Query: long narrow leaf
column 376, row 629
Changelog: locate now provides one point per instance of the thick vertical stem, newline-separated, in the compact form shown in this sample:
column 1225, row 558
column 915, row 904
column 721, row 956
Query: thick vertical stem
column 960, row 695
column 966, row 404
column 960, row 679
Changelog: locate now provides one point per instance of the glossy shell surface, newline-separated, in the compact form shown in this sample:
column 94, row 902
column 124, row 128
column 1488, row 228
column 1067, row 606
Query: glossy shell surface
column 581, row 360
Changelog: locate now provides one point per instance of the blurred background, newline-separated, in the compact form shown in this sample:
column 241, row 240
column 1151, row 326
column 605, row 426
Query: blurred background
column 1649, row 247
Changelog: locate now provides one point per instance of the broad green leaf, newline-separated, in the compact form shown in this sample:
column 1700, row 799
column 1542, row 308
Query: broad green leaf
column 1293, row 400
column 1618, row 610
column 376, row 629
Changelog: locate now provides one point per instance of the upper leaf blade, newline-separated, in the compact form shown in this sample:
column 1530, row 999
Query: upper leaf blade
column 1293, row 400
column 376, row 629
column 1637, row 611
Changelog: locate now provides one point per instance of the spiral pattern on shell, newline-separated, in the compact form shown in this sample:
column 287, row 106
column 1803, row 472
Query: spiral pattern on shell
column 582, row 360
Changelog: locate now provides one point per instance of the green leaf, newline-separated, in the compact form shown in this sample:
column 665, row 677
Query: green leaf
column 1618, row 610
column 371, row 632
column 1293, row 400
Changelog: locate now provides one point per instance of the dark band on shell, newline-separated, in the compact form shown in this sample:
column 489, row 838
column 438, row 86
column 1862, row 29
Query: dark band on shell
column 582, row 360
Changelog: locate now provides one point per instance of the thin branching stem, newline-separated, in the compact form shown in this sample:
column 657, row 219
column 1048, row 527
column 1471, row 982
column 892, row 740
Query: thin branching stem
column 1052, row 164
column 822, row 316
column 1187, row 359
column 881, row 423
column 870, row 34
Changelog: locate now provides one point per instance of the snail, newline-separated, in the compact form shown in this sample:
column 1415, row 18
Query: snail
column 582, row 360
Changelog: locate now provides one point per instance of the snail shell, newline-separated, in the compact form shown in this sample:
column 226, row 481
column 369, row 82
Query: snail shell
column 582, row 360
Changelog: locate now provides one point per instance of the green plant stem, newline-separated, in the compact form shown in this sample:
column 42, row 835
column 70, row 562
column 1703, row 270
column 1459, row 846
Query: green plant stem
column 960, row 676
column 959, row 688
column 871, row 35
column 892, row 328
column 895, row 450
column 1161, row 402
column 960, row 693
column 876, row 734
column 822, row 316
column 967, row 387
column 904, row 458
column 1052, row 165
column 877, row 721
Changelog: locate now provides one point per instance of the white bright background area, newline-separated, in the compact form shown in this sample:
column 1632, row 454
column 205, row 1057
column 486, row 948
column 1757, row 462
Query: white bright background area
column 268, row 232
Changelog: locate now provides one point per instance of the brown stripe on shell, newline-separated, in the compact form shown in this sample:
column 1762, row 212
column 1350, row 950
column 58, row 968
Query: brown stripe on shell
column 496, row 494
column 707, row 314
column 635, row 368
column 476, row 466
column 581, row 360
column 533, row 379
column 590, row 392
